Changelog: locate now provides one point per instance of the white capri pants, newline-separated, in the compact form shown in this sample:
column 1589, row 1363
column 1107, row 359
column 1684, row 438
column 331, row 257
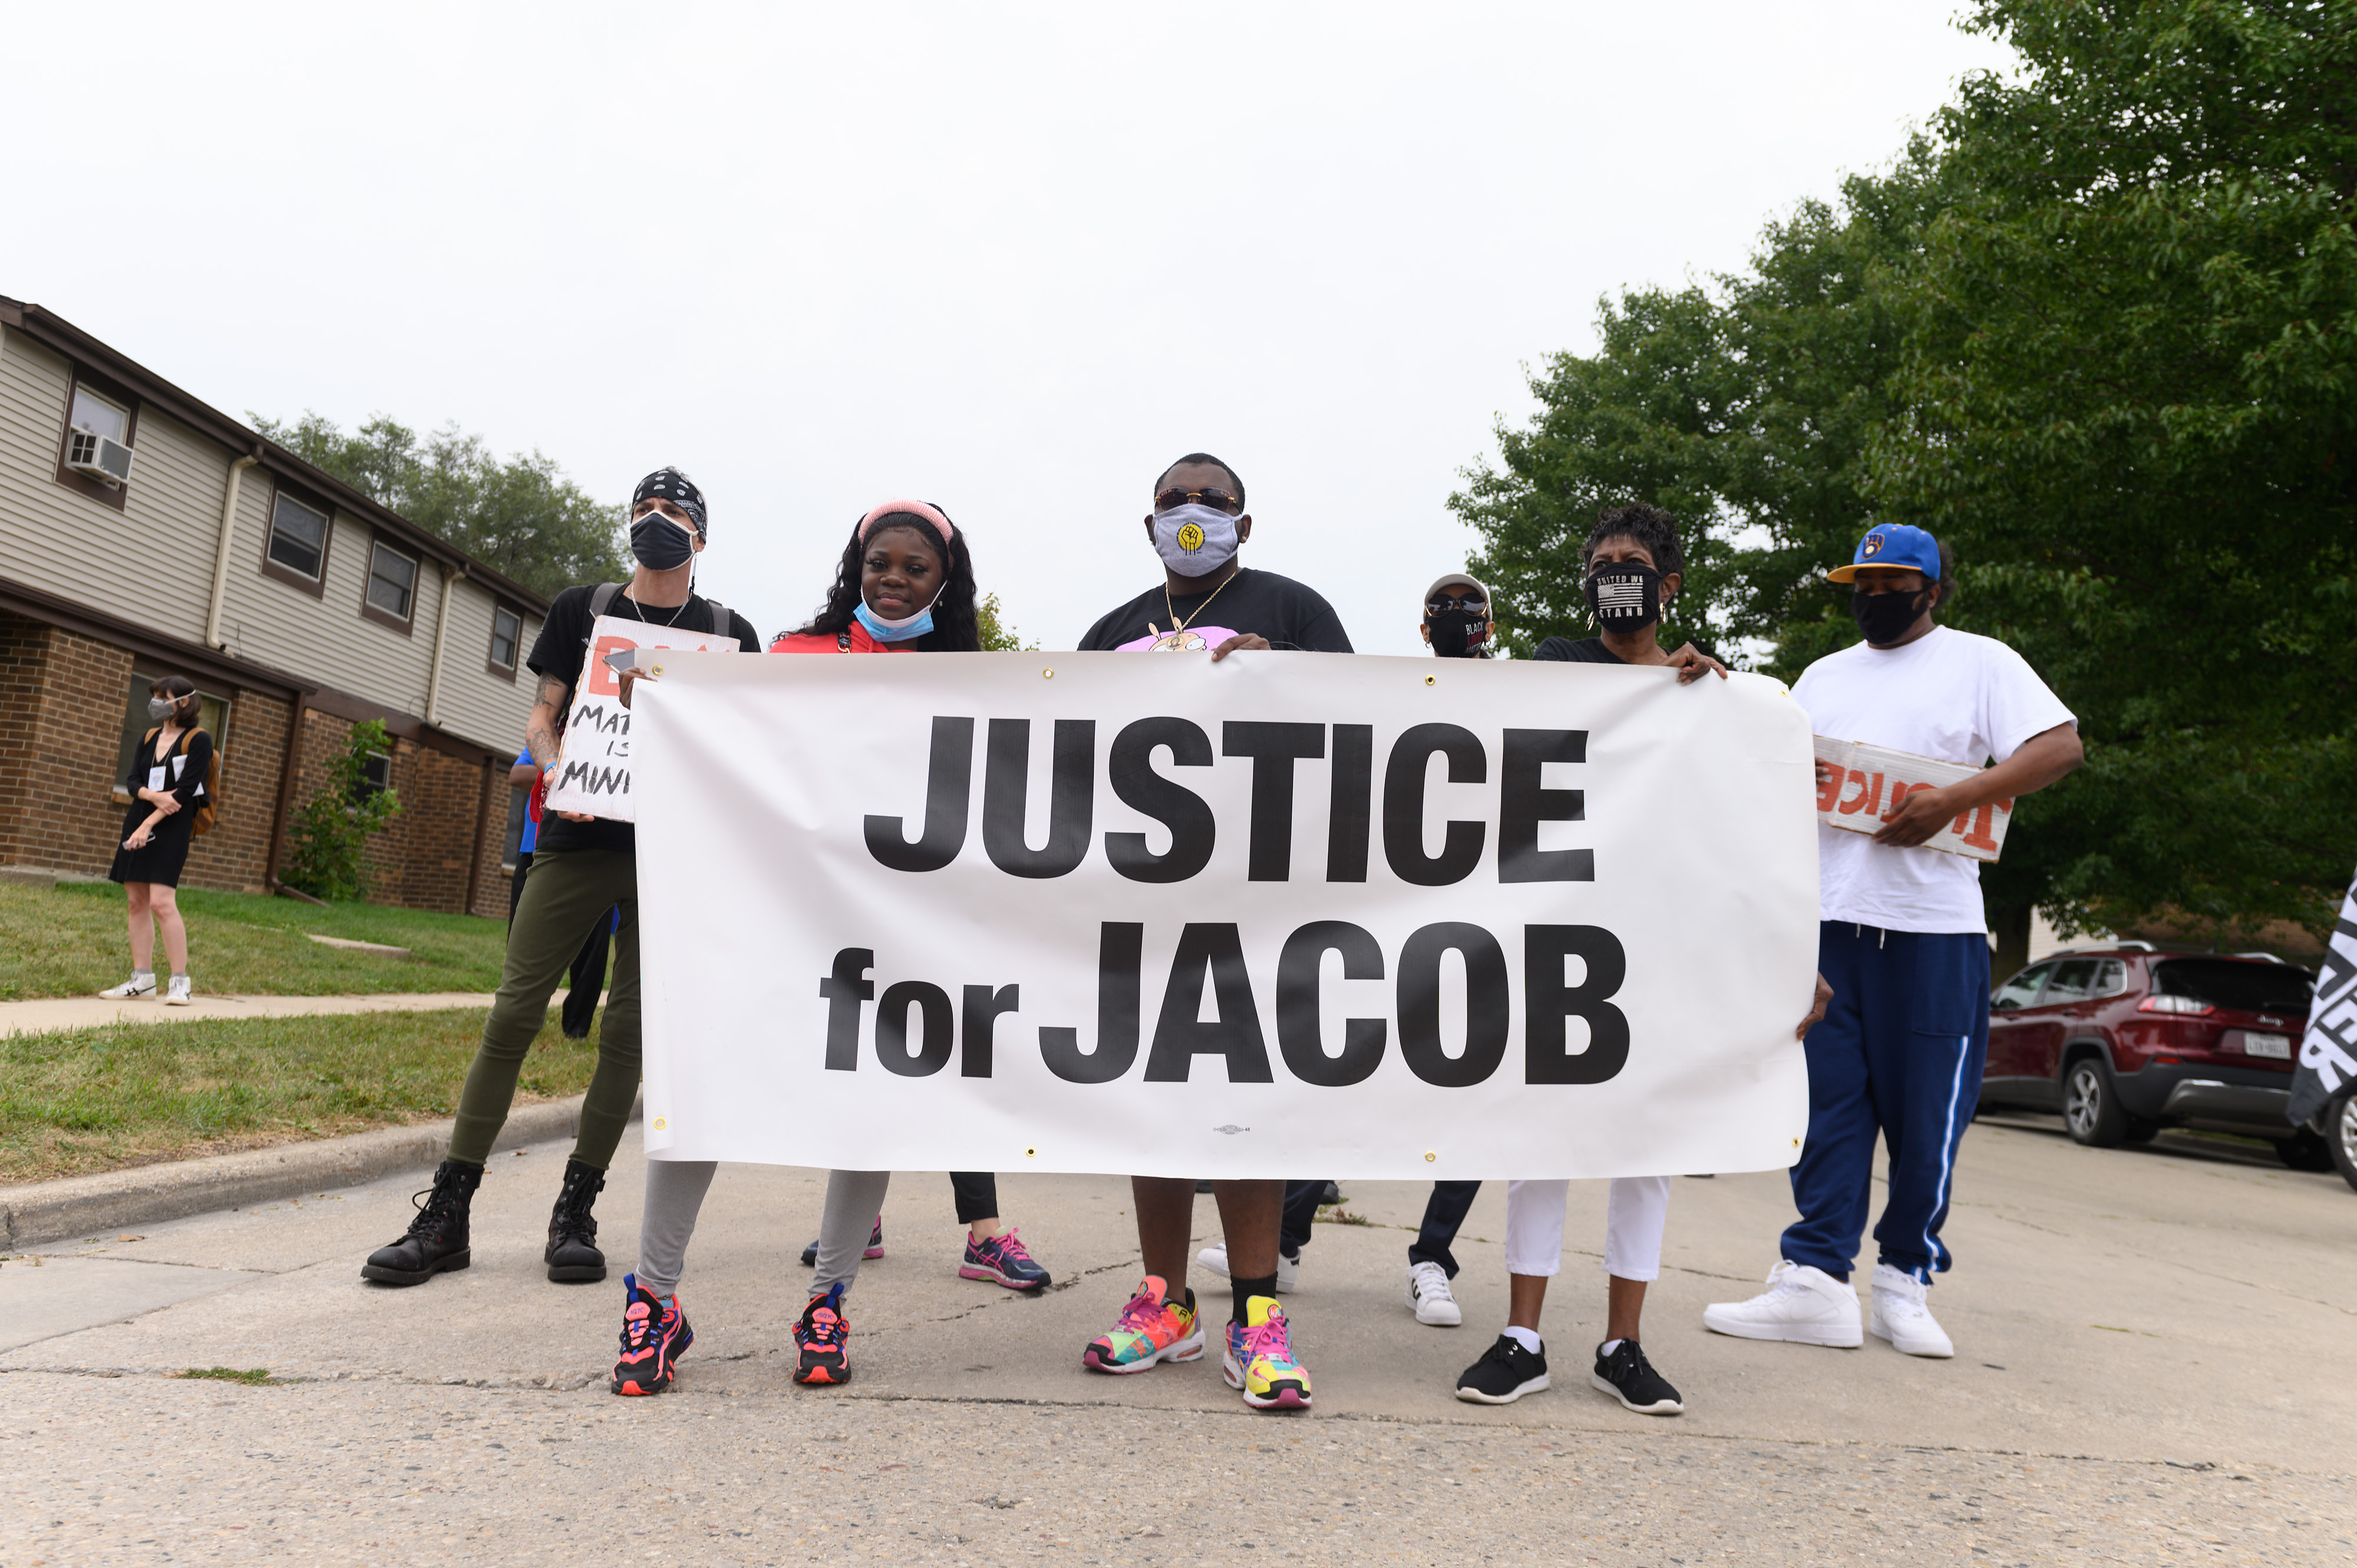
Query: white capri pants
column 1634, row 1215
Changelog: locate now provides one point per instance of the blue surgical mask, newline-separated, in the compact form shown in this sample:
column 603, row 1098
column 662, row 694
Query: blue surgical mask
column 900, row 630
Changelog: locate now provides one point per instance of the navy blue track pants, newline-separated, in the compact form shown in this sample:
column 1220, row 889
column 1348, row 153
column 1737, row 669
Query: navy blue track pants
column 1900, row 1051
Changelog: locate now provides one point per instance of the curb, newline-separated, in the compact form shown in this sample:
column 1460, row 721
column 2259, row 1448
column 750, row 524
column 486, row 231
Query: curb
column 49, row 1211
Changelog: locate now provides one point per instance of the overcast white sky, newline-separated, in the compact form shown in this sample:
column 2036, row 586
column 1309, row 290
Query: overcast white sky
column 1013, row 259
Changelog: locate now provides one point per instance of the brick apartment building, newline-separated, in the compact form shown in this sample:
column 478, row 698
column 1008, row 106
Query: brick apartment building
column 144, row 533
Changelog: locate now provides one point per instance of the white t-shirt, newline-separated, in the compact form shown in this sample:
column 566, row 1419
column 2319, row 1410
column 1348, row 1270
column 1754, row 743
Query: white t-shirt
column 1948, row 694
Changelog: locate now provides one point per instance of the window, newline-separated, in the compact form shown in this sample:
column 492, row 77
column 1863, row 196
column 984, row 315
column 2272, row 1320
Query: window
column 2021, row 990
column 507, row 638
column 376, row 777
column 2073, row 982
column 2112, row 980
column 298, row 541
column 519, row 802
column 212, row 716
column 100, row 415
column 2238, row 983
column 99, row 406
column 391, row 586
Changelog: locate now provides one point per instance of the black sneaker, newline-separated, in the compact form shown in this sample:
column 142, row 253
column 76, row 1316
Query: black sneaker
column 437, row 1239
column 572, row 1253
column 1628, row 1376
column 1505, row 1375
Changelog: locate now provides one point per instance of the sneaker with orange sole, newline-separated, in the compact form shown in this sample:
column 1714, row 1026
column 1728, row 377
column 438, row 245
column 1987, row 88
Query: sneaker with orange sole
column 821, row 1337
column 654, row 1333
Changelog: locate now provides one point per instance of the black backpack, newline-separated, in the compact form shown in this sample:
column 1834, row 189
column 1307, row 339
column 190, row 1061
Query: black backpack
column 604, row 596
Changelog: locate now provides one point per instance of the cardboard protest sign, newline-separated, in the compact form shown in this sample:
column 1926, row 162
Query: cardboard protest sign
column 1290, row 912
column 593, row 759
column 1867, row 783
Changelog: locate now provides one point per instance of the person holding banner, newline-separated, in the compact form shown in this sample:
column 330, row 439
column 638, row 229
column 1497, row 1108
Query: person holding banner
column 1903, row 940
column 905, row 585
column 583, row 870
column 1208, row 602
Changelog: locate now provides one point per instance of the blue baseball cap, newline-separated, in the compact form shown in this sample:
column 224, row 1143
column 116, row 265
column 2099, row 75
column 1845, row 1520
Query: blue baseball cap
column 1894, row 544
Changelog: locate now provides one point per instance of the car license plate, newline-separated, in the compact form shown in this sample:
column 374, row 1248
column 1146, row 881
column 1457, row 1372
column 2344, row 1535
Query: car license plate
column 2275, row 1046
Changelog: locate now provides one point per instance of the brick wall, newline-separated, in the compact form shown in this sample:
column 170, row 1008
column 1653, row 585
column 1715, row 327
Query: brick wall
column 423, row 857
column 62, row 702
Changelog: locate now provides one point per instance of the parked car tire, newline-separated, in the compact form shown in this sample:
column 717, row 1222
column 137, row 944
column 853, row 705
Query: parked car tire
column 2340, row 1135
column 2090, row 1110
column 2305, row 1151
column 2141, row 1131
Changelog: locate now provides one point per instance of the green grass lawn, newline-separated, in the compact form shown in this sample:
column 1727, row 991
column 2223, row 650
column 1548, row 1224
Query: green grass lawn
column 73, row 941
column 93, row 1100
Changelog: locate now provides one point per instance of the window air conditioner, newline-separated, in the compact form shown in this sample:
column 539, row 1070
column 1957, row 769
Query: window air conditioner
column 87, row 452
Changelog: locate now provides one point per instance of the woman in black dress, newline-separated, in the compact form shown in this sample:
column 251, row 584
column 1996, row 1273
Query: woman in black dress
column 167, row 785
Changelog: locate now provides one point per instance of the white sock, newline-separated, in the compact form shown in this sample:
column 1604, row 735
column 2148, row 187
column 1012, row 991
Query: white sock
column 1607, row 1347
column 1528, row 1338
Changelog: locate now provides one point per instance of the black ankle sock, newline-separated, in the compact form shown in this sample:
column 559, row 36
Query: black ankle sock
column 1246, row 1289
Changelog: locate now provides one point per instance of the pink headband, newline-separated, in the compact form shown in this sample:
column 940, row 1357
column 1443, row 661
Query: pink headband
column 926, row 510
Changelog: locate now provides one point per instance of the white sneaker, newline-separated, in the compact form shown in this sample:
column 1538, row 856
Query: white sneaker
column 141, row 983
column 1805, row 1305
column 1288, row 1269
column 1902, row 1316
column 179, row 996
column 1430, row 1298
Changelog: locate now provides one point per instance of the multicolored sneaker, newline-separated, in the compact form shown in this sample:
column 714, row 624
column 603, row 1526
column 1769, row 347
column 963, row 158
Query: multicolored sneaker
column 1152, row 1329
column 1003, row 1260
column 653, row 1335
column 875, row 1246
column 1260, row 1361
column 820, row 1337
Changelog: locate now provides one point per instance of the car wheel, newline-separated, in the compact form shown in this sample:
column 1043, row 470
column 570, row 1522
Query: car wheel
column 2304, row 1151
column 2340, row 1135
column 2090, row 1110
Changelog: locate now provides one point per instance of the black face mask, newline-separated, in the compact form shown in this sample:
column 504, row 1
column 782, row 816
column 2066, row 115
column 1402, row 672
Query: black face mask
column 1885, row 617
column 1624, row 595
column 660, row 542
column 1457, row 633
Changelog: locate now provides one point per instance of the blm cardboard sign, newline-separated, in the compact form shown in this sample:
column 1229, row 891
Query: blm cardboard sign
column 1865, row 783
column 593, row 764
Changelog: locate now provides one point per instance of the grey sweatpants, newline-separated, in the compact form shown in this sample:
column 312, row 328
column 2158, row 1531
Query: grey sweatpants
column 675, row 1190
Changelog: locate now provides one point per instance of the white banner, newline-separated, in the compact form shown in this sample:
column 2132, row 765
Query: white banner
column 1290, row 915
column 593, row 760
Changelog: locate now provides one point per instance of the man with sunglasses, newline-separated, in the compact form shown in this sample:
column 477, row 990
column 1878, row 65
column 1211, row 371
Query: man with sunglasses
column 1208, row 603
column 584, row 871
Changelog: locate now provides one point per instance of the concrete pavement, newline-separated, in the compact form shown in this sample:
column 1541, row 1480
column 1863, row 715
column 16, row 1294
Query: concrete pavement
column 2157, row 1362
column 50, row 1014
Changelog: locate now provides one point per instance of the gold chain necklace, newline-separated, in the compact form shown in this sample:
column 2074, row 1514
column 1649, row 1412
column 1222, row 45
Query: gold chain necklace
column 1177, row 624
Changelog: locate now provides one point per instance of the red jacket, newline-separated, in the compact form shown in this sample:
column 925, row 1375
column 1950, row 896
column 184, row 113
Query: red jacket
column 855, row 640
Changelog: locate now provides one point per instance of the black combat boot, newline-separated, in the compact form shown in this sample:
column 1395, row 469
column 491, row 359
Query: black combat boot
column 438, row 1237
column 573, row 1256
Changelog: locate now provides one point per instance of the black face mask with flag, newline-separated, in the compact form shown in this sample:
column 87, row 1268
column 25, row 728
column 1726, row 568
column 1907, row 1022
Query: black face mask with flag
column 1624, row 595
column 2328, row 1049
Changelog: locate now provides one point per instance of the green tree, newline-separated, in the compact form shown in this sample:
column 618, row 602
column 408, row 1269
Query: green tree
column 327, row 856
column 997, row 637
column 519, row 515
column 2128, row 392
column 2096, row 331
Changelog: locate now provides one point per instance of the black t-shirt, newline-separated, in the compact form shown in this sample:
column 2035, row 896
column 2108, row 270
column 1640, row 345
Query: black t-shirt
column 563, row 647
column 1289, row 613
column 1588, row 650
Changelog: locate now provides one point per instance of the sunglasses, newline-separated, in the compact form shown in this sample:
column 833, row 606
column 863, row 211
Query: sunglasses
column 1219, row 500
column 1443, row 603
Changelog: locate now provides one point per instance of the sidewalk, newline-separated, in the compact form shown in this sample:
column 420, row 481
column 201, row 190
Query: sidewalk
column 91, row 1012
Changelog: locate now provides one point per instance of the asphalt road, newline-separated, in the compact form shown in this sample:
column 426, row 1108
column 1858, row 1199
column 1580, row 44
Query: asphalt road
column 2156, row 1363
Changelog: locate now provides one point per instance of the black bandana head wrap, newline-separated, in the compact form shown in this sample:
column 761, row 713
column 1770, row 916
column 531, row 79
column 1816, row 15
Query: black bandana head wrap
column 670, row 485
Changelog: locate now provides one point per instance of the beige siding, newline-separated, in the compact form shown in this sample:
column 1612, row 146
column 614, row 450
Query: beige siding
column 153, row 562
column 475, row 703
column 150, row 563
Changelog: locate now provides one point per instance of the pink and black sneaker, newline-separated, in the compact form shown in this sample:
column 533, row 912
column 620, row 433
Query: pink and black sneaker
column 875, row 1246
column 1002, row 1259
column 653, row 1335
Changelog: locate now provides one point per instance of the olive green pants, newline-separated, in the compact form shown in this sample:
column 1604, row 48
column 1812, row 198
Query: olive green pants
column 566, row 894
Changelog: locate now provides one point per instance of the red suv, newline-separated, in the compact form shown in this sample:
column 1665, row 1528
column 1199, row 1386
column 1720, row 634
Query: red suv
column 2125, row 1040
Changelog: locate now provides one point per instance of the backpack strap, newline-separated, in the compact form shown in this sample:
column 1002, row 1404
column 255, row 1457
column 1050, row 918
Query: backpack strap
column 719, row 617
column 602, row 596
